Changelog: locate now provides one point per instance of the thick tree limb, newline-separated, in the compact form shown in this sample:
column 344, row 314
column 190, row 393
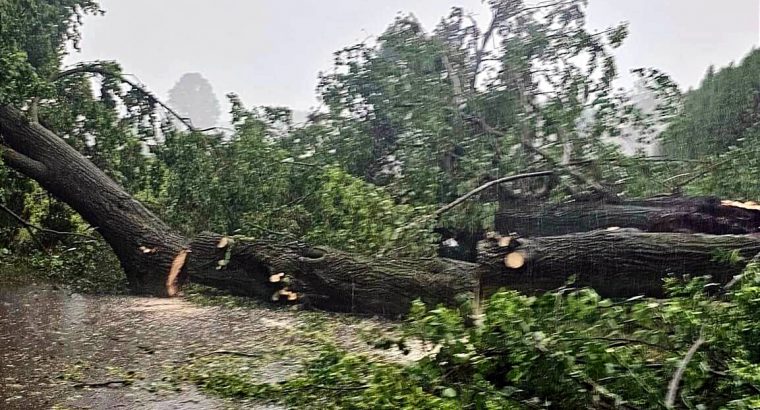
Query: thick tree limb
column 621, row 263
column 616, row 263
column 22, row 163
column 124, row 223
column 326, row 278
column 663, row 214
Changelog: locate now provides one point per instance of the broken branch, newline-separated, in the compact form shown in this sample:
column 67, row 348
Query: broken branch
column 670, row 399
column 30, row 225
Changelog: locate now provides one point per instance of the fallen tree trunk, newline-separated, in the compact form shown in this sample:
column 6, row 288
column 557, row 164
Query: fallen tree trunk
column 663, row 214
column 617, row 263
column 326, row 278
column 157, row 260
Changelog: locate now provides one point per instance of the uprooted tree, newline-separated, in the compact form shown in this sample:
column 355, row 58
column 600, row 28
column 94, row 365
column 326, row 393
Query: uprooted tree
column 157, row 260
column 596, row 242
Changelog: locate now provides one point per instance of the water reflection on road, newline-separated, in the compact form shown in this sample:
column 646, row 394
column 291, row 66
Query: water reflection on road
column 51, row 339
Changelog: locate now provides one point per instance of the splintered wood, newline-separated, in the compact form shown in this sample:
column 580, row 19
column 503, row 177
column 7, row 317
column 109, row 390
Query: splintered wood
column 284, row 293
column 223, row 242
column 751, row 205
column 514, row 260
column 172, row 287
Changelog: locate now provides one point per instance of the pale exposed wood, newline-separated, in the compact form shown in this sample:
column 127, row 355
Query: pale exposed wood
column 504, row 241
column 514, row 260
column 172, row 285
column 223, row 242
column 751, row 205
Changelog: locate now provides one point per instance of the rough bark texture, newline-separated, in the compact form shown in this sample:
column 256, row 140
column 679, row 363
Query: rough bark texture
column 617, row 263
column 664, row 214
column 326, row 278
column 145, row 245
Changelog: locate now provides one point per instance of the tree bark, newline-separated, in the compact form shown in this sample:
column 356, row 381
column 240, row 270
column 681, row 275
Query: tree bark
column 156, row 259
column 144, row 244
column 327, row 278
column 616, row 263
column 664, row 214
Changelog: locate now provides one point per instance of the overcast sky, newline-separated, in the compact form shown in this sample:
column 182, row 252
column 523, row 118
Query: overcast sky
column 269, row 52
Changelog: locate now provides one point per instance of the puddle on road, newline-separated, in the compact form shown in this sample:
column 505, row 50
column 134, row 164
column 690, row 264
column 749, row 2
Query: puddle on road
column 51, row 340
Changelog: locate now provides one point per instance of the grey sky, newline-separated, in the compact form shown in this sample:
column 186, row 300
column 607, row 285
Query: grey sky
column 269, row 52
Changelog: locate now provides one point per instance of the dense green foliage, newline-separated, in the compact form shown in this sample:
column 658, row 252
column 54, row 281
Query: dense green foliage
column 718, row 122
column 722, row 112
column 565, row 349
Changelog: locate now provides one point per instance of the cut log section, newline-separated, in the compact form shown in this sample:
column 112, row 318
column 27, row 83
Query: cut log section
column 664, row 214
column 223, row 242
column 514, row 260
column 618, row 263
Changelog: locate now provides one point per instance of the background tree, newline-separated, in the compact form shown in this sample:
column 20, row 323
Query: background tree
column 722, row 112
column 194, row 98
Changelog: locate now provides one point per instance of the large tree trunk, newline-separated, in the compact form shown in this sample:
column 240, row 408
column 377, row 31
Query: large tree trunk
column 156, row 258
column 327, row 278
column 144, row 244
column 663, row 214
column 618, row 262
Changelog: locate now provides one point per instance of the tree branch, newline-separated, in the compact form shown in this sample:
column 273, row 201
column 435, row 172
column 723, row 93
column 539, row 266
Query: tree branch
column 552, row 162
column 670, row 399
column 485, row 186
column 22, row 163
column 100, row 70
column 30, row 225
column 480, row 52
column 696, row 175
